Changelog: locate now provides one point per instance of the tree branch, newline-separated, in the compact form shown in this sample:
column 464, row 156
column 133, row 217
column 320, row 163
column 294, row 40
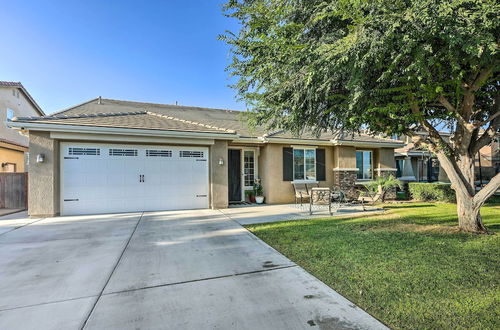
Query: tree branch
column 484, row 122
column 482, row 77
column 488, row 190
column 486, row 138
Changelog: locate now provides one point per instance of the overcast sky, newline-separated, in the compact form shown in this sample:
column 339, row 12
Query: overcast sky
column 67, row 52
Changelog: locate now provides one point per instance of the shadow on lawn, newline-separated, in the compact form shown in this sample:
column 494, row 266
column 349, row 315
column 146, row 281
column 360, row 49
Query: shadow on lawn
column 417, row 218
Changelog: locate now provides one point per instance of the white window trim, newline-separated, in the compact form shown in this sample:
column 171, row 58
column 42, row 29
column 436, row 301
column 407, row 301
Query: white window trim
column 255, row 169
column 7, row 112
column 371, row 166
column 315, row 174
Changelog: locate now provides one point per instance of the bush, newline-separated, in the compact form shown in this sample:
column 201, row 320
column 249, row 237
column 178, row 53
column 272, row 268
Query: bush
column 401, row 196
column 437, row 192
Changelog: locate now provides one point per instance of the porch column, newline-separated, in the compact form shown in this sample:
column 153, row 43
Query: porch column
column 407, row 173
column 43, row 178
column 219, row 198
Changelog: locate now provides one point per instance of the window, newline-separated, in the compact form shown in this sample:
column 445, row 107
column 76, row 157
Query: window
column 364, row 164
column 190, row 154
column 123, row 152
column 158, row 153
column 304, row 164
column 84, row 151
column 10, row 114
column 399, row 167
column 249, row 168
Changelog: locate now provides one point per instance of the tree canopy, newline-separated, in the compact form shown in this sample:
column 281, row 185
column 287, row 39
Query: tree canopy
column 393, row 66
column 350, row 64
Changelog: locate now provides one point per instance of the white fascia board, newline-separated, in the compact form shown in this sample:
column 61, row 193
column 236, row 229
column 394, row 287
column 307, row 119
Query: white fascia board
column 129, row 138
column 118, row 131
column 366, row 144
column 301, row 142
column 241, row 139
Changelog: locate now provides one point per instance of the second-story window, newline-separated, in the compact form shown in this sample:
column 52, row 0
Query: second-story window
column 10, row 114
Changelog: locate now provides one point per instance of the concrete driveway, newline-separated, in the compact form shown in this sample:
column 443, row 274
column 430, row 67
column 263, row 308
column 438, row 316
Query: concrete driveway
column 158, row 270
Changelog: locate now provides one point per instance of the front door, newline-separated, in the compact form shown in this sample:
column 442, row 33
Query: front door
column 234, row 172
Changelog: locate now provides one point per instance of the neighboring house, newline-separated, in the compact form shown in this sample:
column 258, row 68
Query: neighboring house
column 489, row 161
column 417, row 164
column 14, row 101
column 118, row 156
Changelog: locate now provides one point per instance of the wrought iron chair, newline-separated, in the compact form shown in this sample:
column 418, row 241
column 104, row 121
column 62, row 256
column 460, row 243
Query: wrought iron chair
column 320, row 196
column 301, row 192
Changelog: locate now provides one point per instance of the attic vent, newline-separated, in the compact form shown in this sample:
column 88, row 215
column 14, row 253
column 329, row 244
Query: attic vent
column 84, row 151
column 190, row 154
column 158, row 153
column 122, row 152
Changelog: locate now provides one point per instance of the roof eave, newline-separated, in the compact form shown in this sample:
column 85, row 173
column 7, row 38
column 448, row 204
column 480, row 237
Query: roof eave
column 368, row 144
column 114, row 130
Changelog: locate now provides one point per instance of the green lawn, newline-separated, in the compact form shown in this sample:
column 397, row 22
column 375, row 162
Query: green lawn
column 409, row 267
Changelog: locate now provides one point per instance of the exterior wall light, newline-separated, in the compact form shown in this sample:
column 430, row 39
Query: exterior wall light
column 40, row 158
column 221, row 161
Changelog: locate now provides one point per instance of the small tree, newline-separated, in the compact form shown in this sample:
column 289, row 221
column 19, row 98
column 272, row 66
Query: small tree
column 382, row 185
column 393, row 66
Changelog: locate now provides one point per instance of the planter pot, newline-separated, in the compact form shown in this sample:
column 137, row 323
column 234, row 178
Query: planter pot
column 252, row 198
column 259, row 199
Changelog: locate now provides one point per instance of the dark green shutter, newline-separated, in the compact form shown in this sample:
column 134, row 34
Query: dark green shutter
column 287, row 164
column 320, row 165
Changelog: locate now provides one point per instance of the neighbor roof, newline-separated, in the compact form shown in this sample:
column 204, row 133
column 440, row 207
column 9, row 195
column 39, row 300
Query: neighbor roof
column 102, row 112
column 25, row 92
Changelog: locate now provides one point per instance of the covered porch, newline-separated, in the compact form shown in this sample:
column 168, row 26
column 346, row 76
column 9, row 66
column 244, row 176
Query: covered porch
column 251, row 214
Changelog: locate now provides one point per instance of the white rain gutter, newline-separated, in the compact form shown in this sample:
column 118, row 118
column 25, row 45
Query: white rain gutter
column 118, row 131
column 367, row 144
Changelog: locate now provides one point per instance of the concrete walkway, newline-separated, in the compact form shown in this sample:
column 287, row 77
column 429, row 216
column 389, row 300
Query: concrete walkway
column 163, row 270
column 246, row 215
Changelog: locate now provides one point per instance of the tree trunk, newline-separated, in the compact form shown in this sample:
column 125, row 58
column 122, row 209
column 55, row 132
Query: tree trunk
column 468, row 202
column 468, row 209
column 469, row 215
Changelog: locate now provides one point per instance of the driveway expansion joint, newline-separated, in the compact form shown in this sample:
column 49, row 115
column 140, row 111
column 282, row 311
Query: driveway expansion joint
column 45, row 303
column 26, row 224
column 200, row 280
column 112, row 272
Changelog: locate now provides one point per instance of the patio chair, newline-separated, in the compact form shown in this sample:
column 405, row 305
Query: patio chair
column 320, row 196
column 309, row 186
column 301, row 192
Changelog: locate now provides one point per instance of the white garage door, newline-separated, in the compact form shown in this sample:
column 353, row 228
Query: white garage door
column 107, row 178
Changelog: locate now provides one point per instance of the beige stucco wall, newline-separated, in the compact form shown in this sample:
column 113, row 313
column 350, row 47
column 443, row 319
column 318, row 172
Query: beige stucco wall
column 218, row 176
column 384, row 158
column 8, row 155
column 43, row 184
column 276, row 190
column 344, row 157
column 22, row 107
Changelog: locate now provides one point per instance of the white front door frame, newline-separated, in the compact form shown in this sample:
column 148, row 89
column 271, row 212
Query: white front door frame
column 242, row 167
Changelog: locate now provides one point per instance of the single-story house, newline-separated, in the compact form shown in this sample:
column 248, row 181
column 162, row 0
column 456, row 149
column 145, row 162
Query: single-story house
column 108, row 155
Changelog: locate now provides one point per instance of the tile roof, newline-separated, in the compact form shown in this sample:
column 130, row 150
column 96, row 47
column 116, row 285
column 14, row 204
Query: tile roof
column 13, row 143
column 128, row 114
column 133, row 119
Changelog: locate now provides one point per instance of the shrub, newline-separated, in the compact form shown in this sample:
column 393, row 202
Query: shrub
column 437, row 192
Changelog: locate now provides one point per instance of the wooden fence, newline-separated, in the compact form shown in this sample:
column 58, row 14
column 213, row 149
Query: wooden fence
column 14, row 190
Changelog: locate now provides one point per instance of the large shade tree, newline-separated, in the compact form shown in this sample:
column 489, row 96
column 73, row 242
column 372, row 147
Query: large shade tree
column 394, row 67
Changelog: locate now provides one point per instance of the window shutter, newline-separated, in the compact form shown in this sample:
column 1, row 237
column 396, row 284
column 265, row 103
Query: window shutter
column 320, row 165
column 287, row 164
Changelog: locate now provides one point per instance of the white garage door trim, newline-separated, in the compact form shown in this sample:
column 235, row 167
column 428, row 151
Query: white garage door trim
column 114, row 178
